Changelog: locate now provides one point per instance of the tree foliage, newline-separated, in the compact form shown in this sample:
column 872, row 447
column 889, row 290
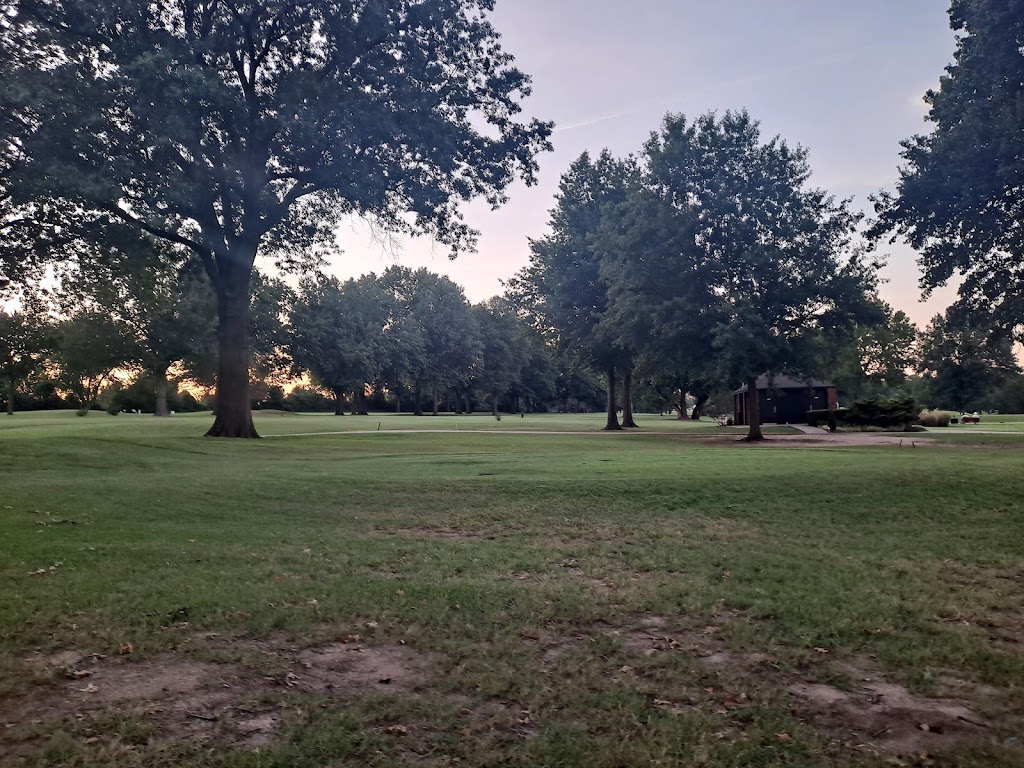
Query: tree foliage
column 336, row 333
column 960, row 196
column 964, row 364
column 238, row 128
column 766, row 264
column 25, row 339
column 434, row 339
column 564, row 284
column 90, row 346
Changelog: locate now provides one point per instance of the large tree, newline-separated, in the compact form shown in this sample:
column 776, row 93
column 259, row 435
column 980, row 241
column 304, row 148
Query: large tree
column 660, row 303
column 235, row 128
column 564, row 283
column 779, row 256
column 960, row 196
column 503, row 351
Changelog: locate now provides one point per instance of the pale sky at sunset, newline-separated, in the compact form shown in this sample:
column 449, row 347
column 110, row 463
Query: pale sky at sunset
column 844, row 79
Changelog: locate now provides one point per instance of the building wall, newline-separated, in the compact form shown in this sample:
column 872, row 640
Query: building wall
column 786, row 406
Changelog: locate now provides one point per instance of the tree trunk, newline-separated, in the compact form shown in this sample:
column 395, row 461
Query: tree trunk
column 753, row 412
column 613, row 417
column 680, row 406
column 361, row 400
column 11, row 388
column 161, row 408
column 469, row 412
column 627, row 398
column 494, row 404
column 339, row 402
column 417, row 406
column 697, row 406
column 398, row 403
column 234, row 410
column 434, row 413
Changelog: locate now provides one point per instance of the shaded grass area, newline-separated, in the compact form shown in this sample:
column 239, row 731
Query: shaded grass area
column 523, row 562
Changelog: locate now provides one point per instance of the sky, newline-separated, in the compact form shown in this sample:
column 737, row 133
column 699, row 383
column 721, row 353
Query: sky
column 843, row 79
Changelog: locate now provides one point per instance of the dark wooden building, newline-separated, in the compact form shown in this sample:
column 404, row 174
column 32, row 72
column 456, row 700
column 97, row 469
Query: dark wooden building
column 786, row 400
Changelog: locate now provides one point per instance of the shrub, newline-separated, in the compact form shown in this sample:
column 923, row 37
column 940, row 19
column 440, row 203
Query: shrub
column 302, row 399
column 935, row 419
column 898, row 412
column 820, row 416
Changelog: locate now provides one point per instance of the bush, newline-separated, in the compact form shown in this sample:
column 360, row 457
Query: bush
column 935, row 419
column 897, row 412
column 302, row 399
column 820, row 416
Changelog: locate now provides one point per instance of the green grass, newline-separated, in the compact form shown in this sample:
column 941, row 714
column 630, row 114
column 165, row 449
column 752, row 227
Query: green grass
column 275, row 423
column 521, row 563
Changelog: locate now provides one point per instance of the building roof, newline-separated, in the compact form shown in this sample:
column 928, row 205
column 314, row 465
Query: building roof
column 786, row 382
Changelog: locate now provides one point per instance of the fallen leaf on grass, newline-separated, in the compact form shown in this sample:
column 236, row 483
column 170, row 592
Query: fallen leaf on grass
column 397, row 729
column 125, row 649
column 90, row 688
column 350, row 639
column 783, row 738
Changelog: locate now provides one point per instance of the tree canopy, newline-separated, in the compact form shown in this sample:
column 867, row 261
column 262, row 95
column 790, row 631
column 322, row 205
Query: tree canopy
column 564, row 281
column 24, row 342
column 960, row 196
column 336, row 333
column 238, row 128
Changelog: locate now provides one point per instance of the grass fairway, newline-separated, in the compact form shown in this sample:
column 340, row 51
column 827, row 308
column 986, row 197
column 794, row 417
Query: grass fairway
column 669, row 598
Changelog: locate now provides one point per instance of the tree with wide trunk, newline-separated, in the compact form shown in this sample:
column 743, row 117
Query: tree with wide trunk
column 611, row 423
column 627, row 397
column 236, row 129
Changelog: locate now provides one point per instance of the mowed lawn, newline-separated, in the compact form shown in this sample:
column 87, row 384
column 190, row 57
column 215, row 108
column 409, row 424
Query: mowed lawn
column 667, row 598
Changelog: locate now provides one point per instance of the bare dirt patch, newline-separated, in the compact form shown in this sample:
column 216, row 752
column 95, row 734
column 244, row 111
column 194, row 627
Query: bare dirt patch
column 844, row 440
column 885, row 718
column 874, row 714
column 202, row 701
column 352, row 667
